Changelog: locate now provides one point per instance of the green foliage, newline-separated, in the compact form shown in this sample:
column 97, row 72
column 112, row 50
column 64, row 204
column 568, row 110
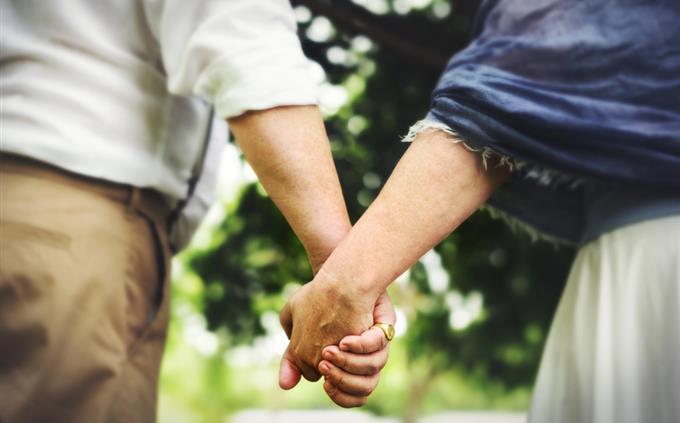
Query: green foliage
column 255, row 256
column 520, row 283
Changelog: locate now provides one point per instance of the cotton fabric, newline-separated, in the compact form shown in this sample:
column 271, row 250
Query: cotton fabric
column 613, row 352
column 121, row 90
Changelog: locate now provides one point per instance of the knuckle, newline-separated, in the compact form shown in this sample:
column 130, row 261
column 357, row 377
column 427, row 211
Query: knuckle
column 329, row 387
column 338, row 378
column 342, row 360
column 372, row 368
column 348, row 402
column 295, row 349
column 370, row 386
column 380, row 364
column 375, row 343
column 309, row 372
column 345, row 403
column 334, row 395
column 314, row 375
column 375, row 382
column 332, row 377
column 364, row 390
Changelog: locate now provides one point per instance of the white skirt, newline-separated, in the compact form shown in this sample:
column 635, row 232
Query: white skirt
column 613, row 352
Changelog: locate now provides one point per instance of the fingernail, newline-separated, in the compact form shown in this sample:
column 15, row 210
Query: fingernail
column 327, row 355
column 344, row 347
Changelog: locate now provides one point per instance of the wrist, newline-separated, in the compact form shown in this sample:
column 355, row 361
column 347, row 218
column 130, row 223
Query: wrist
column 325, row 241
column 347, row 281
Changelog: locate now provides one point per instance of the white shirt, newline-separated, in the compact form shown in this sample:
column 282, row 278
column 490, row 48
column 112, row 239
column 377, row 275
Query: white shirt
column 121, row 90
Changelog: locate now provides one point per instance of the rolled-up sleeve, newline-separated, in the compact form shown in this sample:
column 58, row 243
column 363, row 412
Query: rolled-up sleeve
column 239, row 55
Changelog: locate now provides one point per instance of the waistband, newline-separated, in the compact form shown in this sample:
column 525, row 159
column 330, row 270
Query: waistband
column 607, row 209
column 146, row 201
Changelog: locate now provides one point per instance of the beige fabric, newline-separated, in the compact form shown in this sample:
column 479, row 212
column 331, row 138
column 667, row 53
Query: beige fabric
column 613, row 353
column 83, row 297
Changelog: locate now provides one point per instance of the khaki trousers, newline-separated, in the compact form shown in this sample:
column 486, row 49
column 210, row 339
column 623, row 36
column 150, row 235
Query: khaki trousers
column 83, row 297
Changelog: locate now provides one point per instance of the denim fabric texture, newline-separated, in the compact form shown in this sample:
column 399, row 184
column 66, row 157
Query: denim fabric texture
column 580, row 96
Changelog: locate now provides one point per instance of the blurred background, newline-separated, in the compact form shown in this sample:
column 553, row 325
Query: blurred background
column 473, row 313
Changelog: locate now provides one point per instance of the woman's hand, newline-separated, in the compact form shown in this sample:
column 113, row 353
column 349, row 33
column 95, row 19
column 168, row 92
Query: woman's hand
column 352, row 369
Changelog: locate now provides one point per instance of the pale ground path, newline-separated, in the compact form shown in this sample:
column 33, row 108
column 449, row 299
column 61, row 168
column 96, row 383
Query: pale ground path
column 326, row 416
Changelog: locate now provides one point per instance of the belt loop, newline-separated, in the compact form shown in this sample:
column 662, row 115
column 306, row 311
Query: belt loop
column 134, row 198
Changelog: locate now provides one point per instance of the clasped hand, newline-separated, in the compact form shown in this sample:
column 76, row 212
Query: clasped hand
column 331, row 334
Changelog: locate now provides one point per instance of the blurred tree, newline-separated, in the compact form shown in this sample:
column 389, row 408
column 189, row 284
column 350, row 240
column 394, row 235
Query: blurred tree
column 489, row 316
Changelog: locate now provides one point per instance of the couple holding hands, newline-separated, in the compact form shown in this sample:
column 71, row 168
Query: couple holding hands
column 561, row 117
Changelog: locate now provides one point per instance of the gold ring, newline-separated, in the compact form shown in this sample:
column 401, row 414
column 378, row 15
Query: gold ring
column 387, row 329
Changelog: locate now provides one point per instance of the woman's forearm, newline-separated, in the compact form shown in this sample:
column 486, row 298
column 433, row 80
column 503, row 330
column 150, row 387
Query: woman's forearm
column 289, row 150
column 436, row 185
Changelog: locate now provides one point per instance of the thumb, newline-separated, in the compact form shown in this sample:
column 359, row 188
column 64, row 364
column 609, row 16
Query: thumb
column 289, row 375
column 383, row 312
column 286, row 319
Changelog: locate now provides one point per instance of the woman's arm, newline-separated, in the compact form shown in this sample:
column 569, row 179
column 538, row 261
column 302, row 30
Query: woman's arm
column 436, row 185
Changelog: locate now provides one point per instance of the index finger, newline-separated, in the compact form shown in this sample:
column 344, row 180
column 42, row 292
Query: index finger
column 373, row 339
column 370, row 341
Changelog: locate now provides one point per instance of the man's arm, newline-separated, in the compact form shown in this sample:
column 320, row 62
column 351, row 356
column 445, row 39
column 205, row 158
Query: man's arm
column 289, row 150
column 290, row 153
column 436, row 185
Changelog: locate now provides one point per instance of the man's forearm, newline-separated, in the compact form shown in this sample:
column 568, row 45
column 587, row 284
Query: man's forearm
column 436, row 185
column 289, row 150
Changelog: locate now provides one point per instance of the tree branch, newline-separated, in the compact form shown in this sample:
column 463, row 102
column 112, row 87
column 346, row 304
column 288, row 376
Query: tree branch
column 353, row 19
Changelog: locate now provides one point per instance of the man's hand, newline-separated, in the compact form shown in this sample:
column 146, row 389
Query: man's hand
column 351, row 369
column 289, row 150
column 319, row 314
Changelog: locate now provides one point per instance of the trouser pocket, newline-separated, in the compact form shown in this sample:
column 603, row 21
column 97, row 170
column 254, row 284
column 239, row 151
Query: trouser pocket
column 148, row 289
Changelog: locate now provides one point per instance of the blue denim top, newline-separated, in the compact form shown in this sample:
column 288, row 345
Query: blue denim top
column 584, row 99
